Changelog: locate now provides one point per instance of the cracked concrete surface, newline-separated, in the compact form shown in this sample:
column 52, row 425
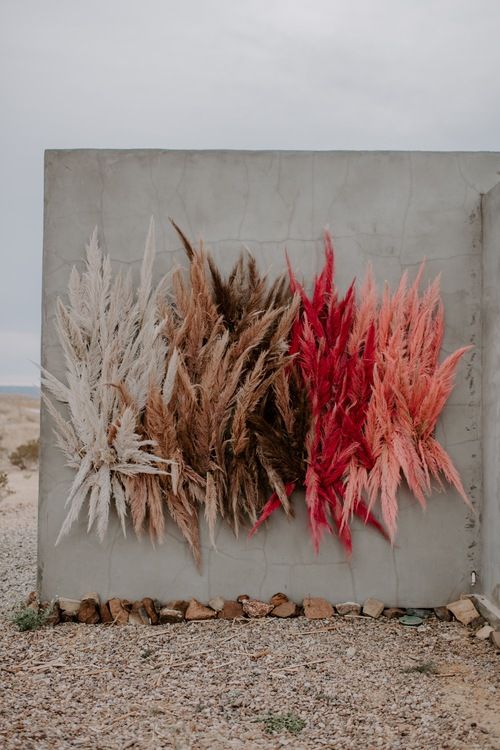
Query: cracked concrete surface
column 390, row 208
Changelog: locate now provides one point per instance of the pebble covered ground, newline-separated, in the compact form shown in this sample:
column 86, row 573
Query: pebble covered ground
column 338, row 683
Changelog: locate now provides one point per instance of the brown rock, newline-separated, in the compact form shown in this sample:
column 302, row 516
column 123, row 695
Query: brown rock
column 93, row 596
column 105, row 613
column 348, row 608
column 254, row 608
column 170, row 616
column 150, row 608
column 392, row 612
column 242, row 598
column 217, row 603
column 118, row 612
column 32, row 601
column 285, row 609
column 69, row 606
column 373, row 608
column 464, row 611
column 198, row 611
column 127, row 604
column 316, row 608
column 88, row 612
column 278, row 599
column 443, row 613
column 495, row 639
column 231, row 610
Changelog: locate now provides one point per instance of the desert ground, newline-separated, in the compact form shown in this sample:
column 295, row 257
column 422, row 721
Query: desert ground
column 339, row 683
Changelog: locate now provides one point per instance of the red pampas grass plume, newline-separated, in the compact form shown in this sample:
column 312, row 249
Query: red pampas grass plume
column 333, row 349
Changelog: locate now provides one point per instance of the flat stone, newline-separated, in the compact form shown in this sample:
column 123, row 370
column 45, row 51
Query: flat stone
column 198, row 611
column 443, row 613
column 150, row 608
column 285, row 609
column 348, row 608
column 278, row 599
column 139, row 611
column 255, row 608
column 88, row 612
column 170, row 616
column 217, row 603
column 105, row 613
column 486, row 608
column 484, row 633
column 316, row 608
column 495, row 639
column 138, row 617
column 373, row 608
column 179, row 604
column 464, row 611
column 231, row 610
column 393, row 612
column 118, row 611
column 69, row 606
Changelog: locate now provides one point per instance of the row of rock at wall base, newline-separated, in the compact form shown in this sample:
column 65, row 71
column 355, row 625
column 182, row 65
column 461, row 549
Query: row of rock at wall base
column 91, row 611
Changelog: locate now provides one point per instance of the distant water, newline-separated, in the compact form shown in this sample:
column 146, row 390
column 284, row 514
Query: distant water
column 21, row 390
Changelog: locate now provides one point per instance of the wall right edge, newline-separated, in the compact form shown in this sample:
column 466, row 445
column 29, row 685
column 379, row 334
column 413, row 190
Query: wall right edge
column 490, row 521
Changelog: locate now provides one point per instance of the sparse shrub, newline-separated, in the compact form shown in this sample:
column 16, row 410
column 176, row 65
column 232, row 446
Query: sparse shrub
column 427, row 667
column 278, row 722
column 26, row 618
column 25, row 455
column 4, row 481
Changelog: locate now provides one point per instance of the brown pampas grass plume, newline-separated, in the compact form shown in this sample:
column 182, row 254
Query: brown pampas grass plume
column 230, row 338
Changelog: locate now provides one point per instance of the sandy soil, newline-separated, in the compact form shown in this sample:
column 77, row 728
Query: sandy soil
column 341, row 683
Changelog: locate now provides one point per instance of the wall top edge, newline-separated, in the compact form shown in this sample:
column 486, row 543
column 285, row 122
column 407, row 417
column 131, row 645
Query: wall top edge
column 56, row 152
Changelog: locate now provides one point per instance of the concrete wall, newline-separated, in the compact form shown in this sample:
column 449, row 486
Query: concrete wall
column 490, row 517
column 393, row 209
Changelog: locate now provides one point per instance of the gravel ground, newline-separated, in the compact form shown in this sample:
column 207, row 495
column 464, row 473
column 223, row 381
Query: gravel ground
column 269, row 683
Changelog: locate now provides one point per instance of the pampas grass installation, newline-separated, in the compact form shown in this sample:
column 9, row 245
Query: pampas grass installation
column 221, row 394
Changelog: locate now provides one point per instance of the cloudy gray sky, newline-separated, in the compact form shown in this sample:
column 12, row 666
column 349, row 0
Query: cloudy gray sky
column 322, row 74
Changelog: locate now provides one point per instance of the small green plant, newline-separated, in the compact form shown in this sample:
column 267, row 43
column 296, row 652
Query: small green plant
column 279, row 722
column 26, row 618
column 25, row 455
column 426, row 667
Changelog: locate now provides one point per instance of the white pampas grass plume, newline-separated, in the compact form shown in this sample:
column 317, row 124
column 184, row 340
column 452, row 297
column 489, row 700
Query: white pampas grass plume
column 113, row 349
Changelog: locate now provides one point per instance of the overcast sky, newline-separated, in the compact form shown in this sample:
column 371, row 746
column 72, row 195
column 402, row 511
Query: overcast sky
column 302, row 74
